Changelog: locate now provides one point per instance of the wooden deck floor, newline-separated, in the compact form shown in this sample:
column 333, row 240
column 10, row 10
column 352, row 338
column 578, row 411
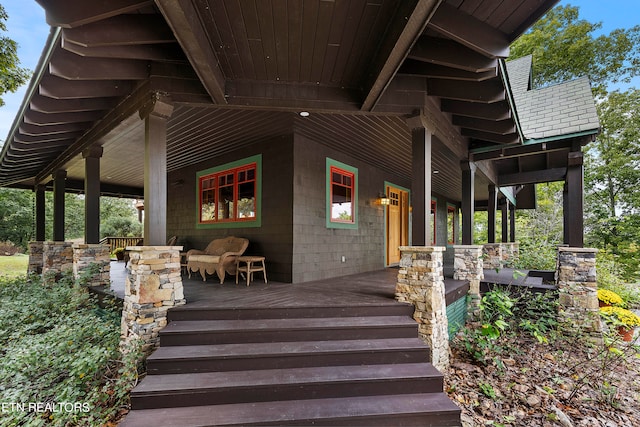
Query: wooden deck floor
column 372, row 288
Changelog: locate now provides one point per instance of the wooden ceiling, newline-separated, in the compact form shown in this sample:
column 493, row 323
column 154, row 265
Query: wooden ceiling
column 238, row 71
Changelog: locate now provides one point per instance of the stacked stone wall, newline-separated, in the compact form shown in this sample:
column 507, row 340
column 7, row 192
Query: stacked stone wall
column 35, row 257
column 468, row 265
column 421, row 283
column 500, row 255
column 153, row 285
column 578, row 291
column 57, row 258
column 85, row 257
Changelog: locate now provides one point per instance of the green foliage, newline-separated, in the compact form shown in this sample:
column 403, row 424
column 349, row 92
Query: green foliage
column 565, row 47
column 610, row 277
column 12, row 76
column 503, row 316
column 16, row 216
column 57, row 346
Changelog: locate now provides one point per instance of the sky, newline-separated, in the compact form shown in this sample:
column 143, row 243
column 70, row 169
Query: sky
column 27, row 26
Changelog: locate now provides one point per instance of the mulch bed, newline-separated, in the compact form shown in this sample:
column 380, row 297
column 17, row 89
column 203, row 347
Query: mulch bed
column 565, row 383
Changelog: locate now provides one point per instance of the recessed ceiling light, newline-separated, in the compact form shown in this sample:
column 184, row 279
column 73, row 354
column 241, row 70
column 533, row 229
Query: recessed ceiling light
column 436, row 171
column 304, row 114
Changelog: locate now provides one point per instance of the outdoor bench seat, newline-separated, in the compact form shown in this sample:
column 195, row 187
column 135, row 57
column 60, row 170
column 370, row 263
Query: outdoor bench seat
column 219, row 257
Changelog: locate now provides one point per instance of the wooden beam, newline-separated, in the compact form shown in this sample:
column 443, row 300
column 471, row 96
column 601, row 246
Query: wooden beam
column 412, row 22
column 501, row 127
column 469, row 31
column 487, row 92
column 522, row 150
column 492, row 204
column 167, row 52
column 491, row 137
column 131, row 29
column 35, row 117
column 412, row 67
column 45, row 104
column 494, row 111
column 44, row 129
column 73, row 13
column 74, row 67
column 432, row 118
column 533, row 177
column 451, row 54
column 468, row 204
column 59, row 88
column 34, row 140
column 187, row 26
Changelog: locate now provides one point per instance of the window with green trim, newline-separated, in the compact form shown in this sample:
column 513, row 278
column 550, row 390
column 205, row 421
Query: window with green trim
column 342, row 195
column 229, row 195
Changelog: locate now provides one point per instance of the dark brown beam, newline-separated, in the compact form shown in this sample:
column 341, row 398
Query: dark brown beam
column 120, row 30
column 412, row 67
column 469, row 31
column 502, row 127
column 45, row 104
column 59, row 88
column 468, row 204
column 494, row 111
column 492, row 204
column 574, row 212
column 72, row 13
column 533, row 177
column 168, row 52
column 522, row 150
column 491, row 137
column 44, row 129
column 74, row 67
column 451, row 54
column 35, row 117
column 488, row 91
column 409, row 23
column 75, row 186
column 30, row 139
column 183, row 18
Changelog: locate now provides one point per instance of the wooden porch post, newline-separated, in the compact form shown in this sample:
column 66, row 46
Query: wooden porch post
column 155, row 115
column 491, row 214
column 92, row 194
column 59, row 180
column 574, row 201
column 468, row 200
column 421, row 186
column 40, row 213
column 505, row 221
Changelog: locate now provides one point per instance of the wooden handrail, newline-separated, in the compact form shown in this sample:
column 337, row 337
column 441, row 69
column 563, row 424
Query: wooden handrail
column 119, row 242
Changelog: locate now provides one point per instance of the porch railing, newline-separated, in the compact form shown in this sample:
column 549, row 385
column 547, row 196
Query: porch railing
column 119, row 242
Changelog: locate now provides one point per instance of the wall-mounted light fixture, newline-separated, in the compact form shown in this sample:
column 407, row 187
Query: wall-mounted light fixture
column 383, row 199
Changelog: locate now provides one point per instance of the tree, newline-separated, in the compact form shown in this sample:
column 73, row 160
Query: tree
column 16, row 216
column 12, row 76
column 564, row 47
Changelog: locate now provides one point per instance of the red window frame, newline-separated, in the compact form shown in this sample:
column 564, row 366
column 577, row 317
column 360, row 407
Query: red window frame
column 348, row 181
column 209, row 187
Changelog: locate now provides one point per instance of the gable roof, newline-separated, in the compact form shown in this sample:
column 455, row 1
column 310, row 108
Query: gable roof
column 555, row 111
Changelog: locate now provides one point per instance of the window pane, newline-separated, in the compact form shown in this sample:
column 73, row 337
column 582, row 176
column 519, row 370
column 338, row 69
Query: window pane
column 225, row 203
column 251, row 174
column 246, row 200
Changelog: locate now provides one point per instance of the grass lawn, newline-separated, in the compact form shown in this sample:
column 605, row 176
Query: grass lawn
column 13, row 266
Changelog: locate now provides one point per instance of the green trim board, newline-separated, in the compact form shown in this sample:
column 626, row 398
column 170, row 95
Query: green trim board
column 257, row 222
column 334, row 224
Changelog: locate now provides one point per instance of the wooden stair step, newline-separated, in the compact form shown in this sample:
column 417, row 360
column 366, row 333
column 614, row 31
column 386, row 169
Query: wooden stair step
column 208, row 388
column 425, row 409
column 190, row 312
column 278, row 355
column 194, row 332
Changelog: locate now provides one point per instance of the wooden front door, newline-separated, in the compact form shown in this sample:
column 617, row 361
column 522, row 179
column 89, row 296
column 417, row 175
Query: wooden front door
column 397, row 222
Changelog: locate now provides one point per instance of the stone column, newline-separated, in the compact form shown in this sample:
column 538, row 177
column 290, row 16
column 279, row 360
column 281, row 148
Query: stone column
column 578, row 291
column 86, row 255
column 492, row 253
column 510, row 252
column 57, row 258
column 153, row 285
column 421, row 283
column 468, row 265
column 35, row 257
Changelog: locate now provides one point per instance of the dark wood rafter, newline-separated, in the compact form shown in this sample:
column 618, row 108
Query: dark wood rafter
column 502, row 127
column 494, row 111
column 48, row 105
column 512, row 138
column 523, row 150
column 485, row 92
column 533, row 177
column 412, row 67
column 395, row 50
column 80, row 12
column 59, row 88
column 70, row 66
column 183, row 19
column 35, row 130
column 470, row 32
column 451, row 54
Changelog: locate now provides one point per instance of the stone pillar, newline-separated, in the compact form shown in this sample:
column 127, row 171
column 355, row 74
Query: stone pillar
column 492, row 253
column 578, row 291
column 468, row 265
column 57, row 258
column 510, row 252
column 421, row 283
column 153, row 285
column 35, row 257
column 86, row 255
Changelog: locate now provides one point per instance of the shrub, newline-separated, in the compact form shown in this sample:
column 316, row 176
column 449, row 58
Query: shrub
column 618, row 316
column 609, row 297
column 58, row 347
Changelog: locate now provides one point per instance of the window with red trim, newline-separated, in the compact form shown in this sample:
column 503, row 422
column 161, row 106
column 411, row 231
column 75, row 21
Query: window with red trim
column 451, row 224
column 342, row 195
column 229, row 195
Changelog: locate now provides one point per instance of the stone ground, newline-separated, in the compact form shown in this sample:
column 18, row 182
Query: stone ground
column 561, row 384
